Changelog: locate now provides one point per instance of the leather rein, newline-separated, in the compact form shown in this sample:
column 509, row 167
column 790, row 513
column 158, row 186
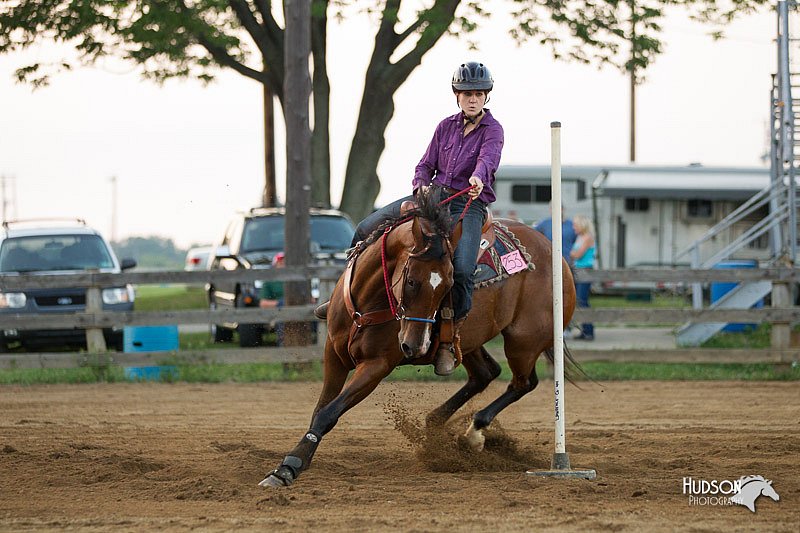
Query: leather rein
column 396, row 309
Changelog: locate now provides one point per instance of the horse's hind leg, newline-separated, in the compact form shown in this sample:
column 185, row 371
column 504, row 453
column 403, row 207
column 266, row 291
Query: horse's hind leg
column 522, row 362
column 481, row 369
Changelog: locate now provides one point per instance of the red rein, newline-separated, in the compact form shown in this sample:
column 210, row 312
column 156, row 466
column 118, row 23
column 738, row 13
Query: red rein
column 384, row 263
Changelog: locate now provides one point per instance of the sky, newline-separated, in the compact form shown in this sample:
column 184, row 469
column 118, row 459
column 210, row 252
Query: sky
column 186, row 156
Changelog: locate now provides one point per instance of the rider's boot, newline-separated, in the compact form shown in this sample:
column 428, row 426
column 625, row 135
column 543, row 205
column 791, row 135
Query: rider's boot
column 448, row 356
column 321, row 311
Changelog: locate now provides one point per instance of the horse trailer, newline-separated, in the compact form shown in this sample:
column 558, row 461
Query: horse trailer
column 644, row 216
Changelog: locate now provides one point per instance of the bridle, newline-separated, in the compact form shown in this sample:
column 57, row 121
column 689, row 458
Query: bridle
column 396, row 309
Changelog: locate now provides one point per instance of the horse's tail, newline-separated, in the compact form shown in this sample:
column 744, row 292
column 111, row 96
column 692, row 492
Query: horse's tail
column 572, row 368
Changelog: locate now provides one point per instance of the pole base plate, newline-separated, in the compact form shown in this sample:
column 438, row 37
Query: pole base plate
column 560, row 468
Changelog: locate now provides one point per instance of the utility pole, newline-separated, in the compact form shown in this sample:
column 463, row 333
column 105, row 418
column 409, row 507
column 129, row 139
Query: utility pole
column 633, row 82
column 297, row 92
column 3, row 193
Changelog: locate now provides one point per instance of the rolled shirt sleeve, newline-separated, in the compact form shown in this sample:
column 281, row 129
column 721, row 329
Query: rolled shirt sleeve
column 489, row 157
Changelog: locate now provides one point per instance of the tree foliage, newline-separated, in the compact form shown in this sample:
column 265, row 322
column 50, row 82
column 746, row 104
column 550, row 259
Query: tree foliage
column 151, row 252
column 195, row 38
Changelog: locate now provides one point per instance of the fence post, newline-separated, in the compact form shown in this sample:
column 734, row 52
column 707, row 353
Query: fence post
column 95, row 342
column 781, row 331
column 325, row 291
column 697, row 288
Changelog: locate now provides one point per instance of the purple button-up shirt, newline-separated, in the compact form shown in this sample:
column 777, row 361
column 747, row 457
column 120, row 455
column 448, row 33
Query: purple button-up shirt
column 452, row 158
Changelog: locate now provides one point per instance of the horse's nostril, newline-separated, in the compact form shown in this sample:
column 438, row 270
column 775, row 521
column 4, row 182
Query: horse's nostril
column 406, row 350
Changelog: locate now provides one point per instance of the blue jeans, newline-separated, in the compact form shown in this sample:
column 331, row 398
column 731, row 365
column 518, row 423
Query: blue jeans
column 466, row 253
column 582, row 294
column 376, row 218
column 465, row 256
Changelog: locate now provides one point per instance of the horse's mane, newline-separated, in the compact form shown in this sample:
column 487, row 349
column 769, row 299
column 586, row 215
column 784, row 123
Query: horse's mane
column 747, row 479
column 427, row 207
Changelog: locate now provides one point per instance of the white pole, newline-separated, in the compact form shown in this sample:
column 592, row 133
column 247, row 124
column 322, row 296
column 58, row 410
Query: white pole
column 558, row 292
column 560, row 466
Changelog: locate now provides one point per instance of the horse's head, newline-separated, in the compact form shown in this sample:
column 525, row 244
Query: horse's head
column 767, row 490
column 423, row 274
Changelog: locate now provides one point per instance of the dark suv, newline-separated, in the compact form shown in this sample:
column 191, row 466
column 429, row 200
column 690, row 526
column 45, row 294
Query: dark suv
column 250, row 242
column 29, row 248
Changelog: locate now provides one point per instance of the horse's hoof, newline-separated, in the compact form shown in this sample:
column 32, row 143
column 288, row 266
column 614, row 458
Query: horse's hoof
column 272, row 481
column 475, row 438
column 280, row 477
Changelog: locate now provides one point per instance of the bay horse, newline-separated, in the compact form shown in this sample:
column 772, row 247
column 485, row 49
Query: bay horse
column 382, row 314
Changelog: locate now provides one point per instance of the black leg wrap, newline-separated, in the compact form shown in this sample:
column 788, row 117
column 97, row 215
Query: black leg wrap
column 292, row 465
column 288, row 471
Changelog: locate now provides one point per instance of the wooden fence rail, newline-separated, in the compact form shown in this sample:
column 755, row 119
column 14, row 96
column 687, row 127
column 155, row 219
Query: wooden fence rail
column 93, row 320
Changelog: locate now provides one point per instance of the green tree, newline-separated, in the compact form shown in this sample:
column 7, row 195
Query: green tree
column 182, row 38
column 151, row 252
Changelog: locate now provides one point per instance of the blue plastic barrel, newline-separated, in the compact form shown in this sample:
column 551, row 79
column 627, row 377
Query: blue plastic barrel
column 720, row 289
column 150, row 339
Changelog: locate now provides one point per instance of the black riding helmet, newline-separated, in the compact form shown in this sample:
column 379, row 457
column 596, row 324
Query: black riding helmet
column 472, row 76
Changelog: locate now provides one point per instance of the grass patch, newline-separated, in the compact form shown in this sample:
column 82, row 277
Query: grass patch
column 170, row 298
column 658, row 300
column 201, row 340
column 276, row 372
column 603, row 371
column 758, row 337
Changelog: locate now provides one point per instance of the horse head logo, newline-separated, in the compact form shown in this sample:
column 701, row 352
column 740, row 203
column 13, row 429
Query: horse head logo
column 751, row 487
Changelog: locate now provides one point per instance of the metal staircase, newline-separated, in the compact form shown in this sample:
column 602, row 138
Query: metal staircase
column 780, row 199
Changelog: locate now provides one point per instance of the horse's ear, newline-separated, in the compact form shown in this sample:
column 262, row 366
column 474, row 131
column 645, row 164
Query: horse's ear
column 417, row 233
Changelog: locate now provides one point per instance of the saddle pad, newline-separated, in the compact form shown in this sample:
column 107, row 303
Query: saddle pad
column 490, row 267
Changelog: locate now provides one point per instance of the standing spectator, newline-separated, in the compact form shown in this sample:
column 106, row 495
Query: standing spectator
column 582, row 253
column 568, row 236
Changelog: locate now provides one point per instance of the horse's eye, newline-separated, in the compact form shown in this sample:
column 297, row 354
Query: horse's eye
column 410, row 282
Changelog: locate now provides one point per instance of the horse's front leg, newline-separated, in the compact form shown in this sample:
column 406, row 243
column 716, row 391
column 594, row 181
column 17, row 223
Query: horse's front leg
column 366, row 377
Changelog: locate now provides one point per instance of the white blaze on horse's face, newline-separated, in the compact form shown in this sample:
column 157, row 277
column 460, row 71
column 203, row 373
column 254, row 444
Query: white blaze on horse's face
column 424, row 284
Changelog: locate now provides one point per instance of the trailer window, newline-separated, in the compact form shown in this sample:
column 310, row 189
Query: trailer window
column 637, row 204
column 699, row 209
column 581, row 190
column 527, row 194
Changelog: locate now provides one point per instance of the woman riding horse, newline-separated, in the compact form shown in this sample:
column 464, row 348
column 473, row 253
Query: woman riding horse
column 382, row 314
column 464, row 152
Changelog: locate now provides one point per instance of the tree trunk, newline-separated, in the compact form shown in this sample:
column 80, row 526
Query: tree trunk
column 297, row 91
column 320, row 137
column 384, row 77
column 361, row 184
column 270, row 195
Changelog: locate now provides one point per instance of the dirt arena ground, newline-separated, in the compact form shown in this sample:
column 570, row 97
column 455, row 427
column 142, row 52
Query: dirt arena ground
column 142, row 457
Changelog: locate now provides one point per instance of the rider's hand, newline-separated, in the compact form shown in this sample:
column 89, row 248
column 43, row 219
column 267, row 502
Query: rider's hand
column 477, row 189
